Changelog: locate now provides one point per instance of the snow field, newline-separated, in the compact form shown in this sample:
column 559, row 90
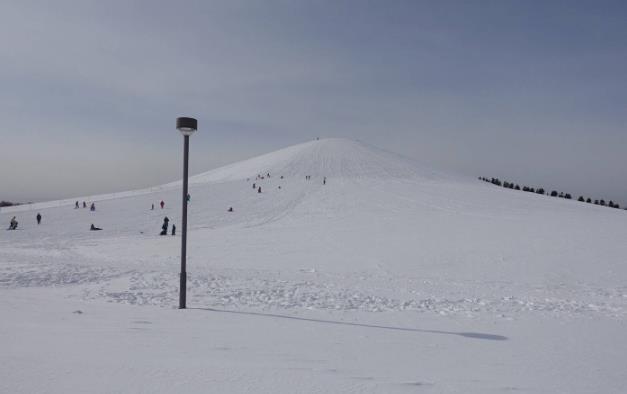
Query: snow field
column 365, row 284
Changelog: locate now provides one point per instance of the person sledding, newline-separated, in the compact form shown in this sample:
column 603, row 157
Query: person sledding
column 13, row 224
column 94, row 228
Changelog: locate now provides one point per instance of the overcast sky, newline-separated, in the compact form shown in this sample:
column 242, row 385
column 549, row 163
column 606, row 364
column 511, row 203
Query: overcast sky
column 530, row 91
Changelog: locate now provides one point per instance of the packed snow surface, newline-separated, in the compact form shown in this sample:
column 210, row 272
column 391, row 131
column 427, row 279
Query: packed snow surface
column 352, row 270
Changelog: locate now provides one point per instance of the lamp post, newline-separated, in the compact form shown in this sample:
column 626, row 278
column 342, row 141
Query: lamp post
column 186, row 126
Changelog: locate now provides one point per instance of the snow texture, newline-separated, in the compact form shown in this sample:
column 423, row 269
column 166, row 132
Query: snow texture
column 391, row 277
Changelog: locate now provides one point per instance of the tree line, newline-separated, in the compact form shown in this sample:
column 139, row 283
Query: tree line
column 553, row 193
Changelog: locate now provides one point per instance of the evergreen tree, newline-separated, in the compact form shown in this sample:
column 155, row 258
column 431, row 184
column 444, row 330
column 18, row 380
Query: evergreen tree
column 568, row 196
column 581, row 199
column 553, row 193
column 540, row 191
column 517, row 187
column 589, row 200
column 602, row 202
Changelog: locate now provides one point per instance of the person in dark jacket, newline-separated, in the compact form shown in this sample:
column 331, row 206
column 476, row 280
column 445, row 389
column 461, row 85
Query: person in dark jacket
column 94, row 228
column 259, row 190
column 38, row 217
column 84, row 204
column 13, row 224
column 76, row 205
column 92, row 207
column 162, row 204
column 164, row 227
column 230, row 209
column 173, row 230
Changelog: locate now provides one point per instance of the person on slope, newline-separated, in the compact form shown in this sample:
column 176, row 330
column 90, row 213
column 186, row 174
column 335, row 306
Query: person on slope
column 76, row 205
column 38, row 217
column 162, row 204
column 259, row 190
column 230, row 209
column 164, row 227
column 13, row 224
column 92, row 207
column 84, row 204
column 324, row 181
column 173, row 230
column 254, row 185
column 152, row 207
column 94, row 228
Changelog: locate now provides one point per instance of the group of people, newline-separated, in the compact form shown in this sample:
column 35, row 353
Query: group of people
column 13, row 223
column 92, row 207
column 324, row 179
column 164, row 227
column 267, row 175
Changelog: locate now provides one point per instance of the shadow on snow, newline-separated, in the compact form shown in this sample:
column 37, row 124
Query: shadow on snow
column 473, row 335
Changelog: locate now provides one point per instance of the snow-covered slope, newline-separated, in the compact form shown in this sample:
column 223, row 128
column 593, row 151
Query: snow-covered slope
column 386, row 246
column 330, row 157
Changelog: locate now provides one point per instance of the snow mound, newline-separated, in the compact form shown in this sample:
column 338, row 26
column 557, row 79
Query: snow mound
column 329, row 157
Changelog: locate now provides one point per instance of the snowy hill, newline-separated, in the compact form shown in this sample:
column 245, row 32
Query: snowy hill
column 385, row 242
column 331, row 157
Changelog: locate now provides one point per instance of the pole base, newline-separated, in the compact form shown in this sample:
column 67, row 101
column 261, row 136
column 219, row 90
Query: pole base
column 183, row 291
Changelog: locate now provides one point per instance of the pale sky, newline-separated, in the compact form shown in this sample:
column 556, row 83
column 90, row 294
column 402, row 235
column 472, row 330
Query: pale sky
column 529, row 91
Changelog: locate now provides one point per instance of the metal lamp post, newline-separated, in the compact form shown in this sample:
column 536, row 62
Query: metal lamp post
column 187, row 127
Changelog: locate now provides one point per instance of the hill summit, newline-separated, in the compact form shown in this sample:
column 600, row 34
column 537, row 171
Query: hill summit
column 330, row 157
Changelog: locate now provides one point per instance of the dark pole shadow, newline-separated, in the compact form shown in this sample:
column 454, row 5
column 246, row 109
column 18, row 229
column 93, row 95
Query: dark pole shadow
column 473, row 335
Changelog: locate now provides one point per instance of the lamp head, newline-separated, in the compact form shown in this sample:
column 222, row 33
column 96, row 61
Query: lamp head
column 187, row 126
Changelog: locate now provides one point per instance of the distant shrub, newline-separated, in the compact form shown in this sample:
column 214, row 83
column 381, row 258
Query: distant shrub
column 589, row 200
column 553, row 193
